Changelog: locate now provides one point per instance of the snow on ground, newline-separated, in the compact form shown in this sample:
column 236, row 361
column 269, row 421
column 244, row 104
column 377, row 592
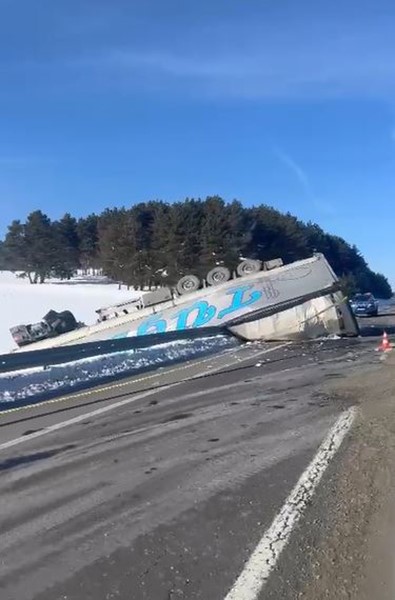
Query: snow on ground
column 21, row 302
column 39, row 383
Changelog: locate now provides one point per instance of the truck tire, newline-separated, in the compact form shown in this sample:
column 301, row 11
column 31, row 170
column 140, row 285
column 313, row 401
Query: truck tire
column 218, row 275
column 248, row 267
column 269, row 265
column 188, row 284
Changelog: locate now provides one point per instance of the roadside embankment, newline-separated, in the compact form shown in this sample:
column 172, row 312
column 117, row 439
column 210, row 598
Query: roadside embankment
column 355, row 556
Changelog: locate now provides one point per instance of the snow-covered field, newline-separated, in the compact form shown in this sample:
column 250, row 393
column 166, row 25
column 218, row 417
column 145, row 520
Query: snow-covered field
column 21, row 302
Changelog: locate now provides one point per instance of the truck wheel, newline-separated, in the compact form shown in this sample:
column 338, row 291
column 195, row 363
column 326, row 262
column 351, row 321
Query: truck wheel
column 248, row 267
column 218, row 275
column 188, row 284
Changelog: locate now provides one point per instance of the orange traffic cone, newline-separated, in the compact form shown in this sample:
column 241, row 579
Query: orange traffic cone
column 385, row 345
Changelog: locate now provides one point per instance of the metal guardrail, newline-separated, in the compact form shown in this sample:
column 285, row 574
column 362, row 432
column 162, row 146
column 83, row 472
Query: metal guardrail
column 43, row 375
column 64, row 354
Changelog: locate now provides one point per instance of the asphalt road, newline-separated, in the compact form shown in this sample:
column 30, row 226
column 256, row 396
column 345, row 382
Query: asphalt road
column 160, row 487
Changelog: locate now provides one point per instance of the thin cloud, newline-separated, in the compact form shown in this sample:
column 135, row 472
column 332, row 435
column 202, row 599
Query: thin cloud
column 324, row 61
column 303, row 180
column 296, row 169
column 247, row 58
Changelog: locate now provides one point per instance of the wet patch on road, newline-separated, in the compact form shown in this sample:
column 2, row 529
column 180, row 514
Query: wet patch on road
column 27, row 459
column 30, row 431
column 178, row 417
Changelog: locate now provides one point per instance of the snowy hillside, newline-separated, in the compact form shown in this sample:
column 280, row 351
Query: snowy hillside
column 21, row 302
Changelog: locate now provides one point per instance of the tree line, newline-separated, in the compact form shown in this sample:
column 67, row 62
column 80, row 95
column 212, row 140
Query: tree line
column 155, row 243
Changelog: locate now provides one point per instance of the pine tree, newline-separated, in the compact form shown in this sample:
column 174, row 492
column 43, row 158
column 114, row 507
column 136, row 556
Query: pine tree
column 191, row 214
column 381, row 285
column 140, row 224
column 275, row 235
column 87, row 231
column 110, row 229
column 156, row 243
column 214, row 233
column 67, row 240
column 118, row 246
column 15, row 248
column 159, row 247
column 239, row 233
column 175, row 243
column 42, row 247
column 3, row 257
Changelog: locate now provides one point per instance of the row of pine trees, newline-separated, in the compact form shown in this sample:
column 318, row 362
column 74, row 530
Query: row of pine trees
column 154, row 243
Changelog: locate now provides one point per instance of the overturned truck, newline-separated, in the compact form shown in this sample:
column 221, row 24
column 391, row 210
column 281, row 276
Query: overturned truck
column 262, row 301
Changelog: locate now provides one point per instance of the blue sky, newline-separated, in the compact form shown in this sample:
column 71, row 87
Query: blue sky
column 275, row 101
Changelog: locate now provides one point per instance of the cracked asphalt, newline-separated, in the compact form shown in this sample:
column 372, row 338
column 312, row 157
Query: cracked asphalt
column 166, row 495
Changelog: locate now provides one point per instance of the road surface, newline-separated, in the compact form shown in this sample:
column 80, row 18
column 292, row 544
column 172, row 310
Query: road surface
column 162, row 486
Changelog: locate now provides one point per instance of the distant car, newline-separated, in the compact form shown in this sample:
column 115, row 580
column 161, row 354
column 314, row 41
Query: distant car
column 365, row 305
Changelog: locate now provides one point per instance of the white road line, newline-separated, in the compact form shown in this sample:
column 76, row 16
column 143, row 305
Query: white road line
column 74, row 420
column 265, row 556
column 113, row 406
